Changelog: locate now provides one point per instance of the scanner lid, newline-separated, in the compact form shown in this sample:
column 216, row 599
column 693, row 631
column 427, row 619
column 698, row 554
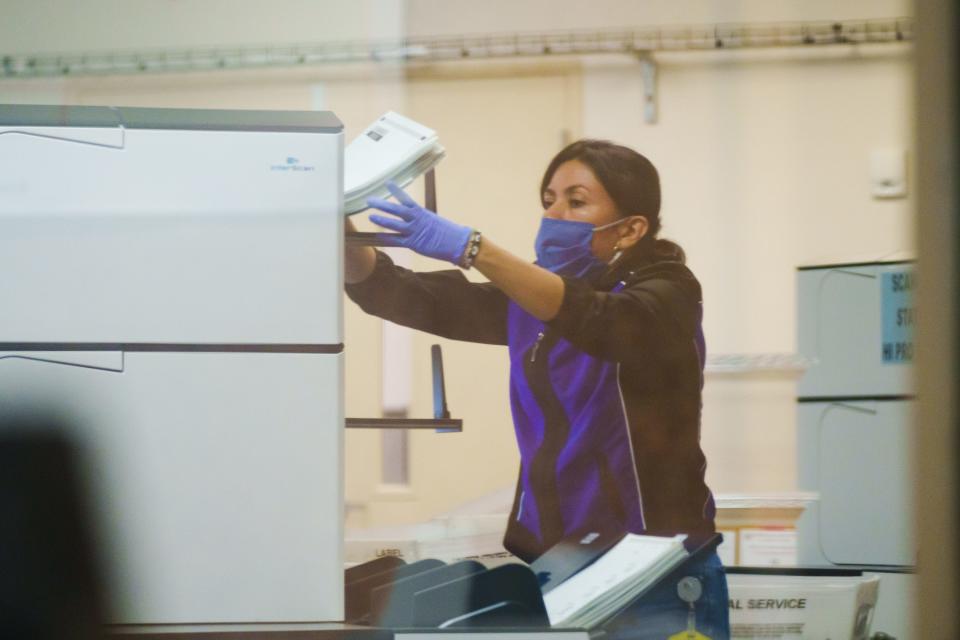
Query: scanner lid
column 172, row 119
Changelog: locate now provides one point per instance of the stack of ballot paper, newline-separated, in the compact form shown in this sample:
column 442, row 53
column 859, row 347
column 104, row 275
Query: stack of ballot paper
column 392, row 148
column 627, row 570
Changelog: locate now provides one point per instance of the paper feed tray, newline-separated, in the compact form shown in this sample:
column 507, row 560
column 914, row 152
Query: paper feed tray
column 392, row 148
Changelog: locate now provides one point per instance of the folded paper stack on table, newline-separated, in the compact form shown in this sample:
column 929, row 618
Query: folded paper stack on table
column 392, row 148
column 623, row 573
column 584, row 582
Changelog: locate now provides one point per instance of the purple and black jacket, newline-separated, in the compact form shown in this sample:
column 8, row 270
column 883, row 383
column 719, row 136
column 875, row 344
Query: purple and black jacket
column 606, row 397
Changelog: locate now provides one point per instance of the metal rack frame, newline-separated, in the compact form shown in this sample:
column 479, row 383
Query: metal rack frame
column 641, row 41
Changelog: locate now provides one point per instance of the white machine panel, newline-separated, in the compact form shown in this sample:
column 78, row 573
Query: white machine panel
column 173, row 285
column 218, row 478
column 857, row 456
column 841, row 315
column 170, row 236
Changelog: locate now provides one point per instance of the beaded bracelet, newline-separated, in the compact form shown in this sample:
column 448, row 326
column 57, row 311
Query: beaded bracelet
column 473, row 248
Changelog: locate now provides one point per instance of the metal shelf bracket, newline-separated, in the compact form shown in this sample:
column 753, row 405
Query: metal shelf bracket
column 648, row 72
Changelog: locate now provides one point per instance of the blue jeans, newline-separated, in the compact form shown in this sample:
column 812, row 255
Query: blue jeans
column 661, row 613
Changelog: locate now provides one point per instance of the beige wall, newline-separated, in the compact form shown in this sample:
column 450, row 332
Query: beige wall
column 500, row 129
column 763, row 157
column 51, row 26
column 764, row 160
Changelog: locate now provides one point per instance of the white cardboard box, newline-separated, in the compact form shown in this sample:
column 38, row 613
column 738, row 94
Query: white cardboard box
column 793, row 607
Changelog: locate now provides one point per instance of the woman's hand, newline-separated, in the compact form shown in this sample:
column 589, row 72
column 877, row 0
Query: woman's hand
column 533, row 288
column 419, row 229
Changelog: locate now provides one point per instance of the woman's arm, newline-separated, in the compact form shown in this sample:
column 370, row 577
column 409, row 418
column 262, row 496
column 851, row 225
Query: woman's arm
column 535, row 289
column 660, row 314
column 538, row 291
column 443, row 303
column 657, row 313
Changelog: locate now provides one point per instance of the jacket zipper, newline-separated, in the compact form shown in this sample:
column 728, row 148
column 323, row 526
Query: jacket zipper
column 556, row 429
column 542, row 474
column 536, row 347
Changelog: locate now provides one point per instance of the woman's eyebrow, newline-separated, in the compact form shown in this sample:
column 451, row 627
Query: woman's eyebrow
column 574, row 187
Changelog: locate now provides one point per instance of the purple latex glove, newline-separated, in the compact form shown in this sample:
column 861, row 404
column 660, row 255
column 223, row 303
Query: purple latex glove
column 419, row 229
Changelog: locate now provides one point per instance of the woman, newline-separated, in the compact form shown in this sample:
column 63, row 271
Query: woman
column 606, row 354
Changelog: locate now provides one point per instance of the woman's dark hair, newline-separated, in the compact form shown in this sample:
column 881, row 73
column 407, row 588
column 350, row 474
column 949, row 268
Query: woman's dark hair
column 633, row 184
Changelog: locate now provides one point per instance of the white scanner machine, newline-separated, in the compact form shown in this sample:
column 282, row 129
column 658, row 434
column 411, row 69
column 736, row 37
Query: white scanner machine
column 173, row 283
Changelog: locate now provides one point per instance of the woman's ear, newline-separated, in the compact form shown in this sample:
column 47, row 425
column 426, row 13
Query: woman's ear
column 632, row 232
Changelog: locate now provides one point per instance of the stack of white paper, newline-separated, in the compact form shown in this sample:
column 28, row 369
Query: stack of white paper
column 392, row 148
column 605, row 587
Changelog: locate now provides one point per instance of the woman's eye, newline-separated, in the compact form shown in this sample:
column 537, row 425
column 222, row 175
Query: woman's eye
column 576, row 203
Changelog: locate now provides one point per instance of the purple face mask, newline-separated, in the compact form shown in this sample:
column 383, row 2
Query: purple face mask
column 564, row 247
